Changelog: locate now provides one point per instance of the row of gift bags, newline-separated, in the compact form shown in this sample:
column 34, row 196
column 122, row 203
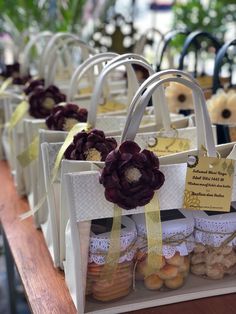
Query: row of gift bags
column 65, row 197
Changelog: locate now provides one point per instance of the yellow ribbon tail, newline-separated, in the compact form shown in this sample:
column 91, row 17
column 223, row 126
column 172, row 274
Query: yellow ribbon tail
column 5, row 84
column 113, row 254
column 69, row 139
column 154, row 234
column 31, row 212
column 30, row 154
column 18, row 114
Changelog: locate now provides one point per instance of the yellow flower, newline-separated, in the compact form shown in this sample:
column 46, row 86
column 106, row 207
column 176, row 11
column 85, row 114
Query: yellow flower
column 222, row 107
column 178, row 97
column 191, row 201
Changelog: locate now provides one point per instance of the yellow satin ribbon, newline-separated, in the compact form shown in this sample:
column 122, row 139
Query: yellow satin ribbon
column 5, row 84
column 76, row 129
column 30, row 153
column 113, row 254
column 85, row 90
column 110, row 106
column 31, row 212
column 79, row 127
column 154, row 235
column 18, row 114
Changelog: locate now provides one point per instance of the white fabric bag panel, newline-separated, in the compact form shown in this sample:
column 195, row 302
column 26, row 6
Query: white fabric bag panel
column 41, row 215
column 32, row 127
column 83, row 207
column 56, row 199
column 2, row 121
column 10, row 103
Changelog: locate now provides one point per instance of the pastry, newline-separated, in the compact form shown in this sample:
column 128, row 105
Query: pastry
column 231, row 270
column 198, row 269
column 198, row 258
column 229, row 260
column 199, row 248
column 175, row 282
column 143, row 269
column 214, row 258
column 112, row 296
column 215, row 271
column 184, row 267
column 225, row 250
column 176, row 260
column 153, row 282
column 168, row 272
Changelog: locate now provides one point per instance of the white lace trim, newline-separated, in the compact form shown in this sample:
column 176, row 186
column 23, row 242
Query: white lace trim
column 169, row 250
column 171, row 230
column 213, row 230
column 101, row 243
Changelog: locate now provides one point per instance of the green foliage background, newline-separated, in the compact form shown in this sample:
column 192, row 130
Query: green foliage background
column 38, row 15
column 211, row 17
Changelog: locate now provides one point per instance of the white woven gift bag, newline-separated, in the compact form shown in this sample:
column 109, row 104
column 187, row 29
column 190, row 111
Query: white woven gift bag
column 86, row 201
column 59, row 210
column 13, row 93
column 22, row 135
column 39, row 190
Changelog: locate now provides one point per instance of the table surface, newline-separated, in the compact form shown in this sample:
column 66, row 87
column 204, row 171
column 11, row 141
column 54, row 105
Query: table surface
column 44, row 285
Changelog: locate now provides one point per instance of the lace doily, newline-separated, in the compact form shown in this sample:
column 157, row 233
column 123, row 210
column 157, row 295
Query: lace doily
column 172, row 230
column 100, row 243
column 213, row 230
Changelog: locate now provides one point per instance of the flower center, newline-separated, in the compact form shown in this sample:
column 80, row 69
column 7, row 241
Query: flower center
column 133, row 174
column 181, row 98
column 48, row 103
column 226, row 113
column 69, row 123
column 93, row 154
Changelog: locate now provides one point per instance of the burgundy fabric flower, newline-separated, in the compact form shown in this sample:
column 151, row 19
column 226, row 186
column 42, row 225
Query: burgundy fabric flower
column 32, row 84
column 90, row 146
column 13, row 70
column 131, row 176
column 42, row 100
column 63, row 118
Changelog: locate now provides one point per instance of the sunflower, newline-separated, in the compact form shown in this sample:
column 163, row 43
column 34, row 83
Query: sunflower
column 222, row 107
column 179, row 97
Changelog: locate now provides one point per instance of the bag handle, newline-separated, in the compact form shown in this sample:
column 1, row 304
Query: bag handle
column 161, row 96
column 218, row 64
column 159, row 100
column 143, row 40
column 53, row 41
column 203, row 124
column 191, row 39
column 82, row 69
column 52, row 57
column 101, row 79
column 24, row 68
column 166, row 41
column 131, row 76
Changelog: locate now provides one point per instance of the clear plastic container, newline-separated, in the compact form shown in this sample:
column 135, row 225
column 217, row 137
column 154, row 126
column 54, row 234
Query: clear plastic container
column 178, row 243
column 119, row 284
column 214, row 255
